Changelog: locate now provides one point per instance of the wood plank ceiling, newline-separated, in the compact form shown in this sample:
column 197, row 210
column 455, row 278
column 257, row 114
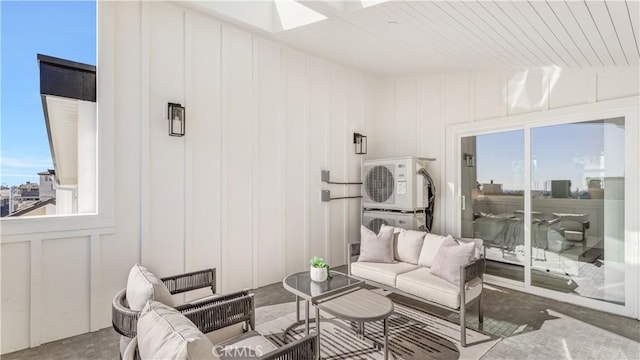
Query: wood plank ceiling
column 399, row 37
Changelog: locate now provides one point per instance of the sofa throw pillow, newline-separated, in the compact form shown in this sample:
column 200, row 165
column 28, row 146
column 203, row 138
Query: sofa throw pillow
column 430, row 247
column 164, row 333
column 479, row 247
column 142, row 286
column 450, row 257
column 376, row 248
column 407, row 245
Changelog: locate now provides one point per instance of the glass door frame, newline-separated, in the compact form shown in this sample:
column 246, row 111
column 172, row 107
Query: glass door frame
column 627, row 108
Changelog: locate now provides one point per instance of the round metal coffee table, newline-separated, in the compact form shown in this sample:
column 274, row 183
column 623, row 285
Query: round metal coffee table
column 360, row 306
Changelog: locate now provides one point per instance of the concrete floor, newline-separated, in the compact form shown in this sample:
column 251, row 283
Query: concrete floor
column 532, row 327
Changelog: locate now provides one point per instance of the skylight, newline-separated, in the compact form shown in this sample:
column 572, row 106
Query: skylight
column 292, row 14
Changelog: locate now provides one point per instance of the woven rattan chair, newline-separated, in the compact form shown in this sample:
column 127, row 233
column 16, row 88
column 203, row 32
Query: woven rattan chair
column 209, row 313
column 229, row 312
column 301, row 349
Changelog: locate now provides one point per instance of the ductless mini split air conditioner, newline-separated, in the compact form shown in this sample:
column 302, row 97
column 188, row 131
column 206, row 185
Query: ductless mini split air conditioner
column 394, row 184
column 373, row 220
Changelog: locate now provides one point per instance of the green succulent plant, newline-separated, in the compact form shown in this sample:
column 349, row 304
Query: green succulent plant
column 318, row 262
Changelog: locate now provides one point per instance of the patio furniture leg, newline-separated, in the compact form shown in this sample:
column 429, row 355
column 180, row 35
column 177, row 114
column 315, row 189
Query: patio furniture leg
column 480, row 313
column 318, row 331
column 297, row 308
column 386, row 338
column 463, row 326
column 306, row 317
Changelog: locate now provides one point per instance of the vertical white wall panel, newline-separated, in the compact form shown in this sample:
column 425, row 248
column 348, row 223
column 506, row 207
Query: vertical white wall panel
column 237, row 115
column 318, row 142
column 618, row 83
column 270, row 125
column 164, row 253
column 116, row 258
column 338, row 145
column 406, row 117
column 204, row 134
column 372, row 117
column 65, row 288
column 529, row 90
column 490, row 95
column 294, row 72
column 385, row 143
column 457, row 98
column 571, row 87
column 355, row 123
column 128, row 132
column 430, row 133
column 15, row 309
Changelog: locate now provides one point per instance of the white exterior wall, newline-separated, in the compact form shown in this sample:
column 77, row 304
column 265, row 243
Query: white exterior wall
column 87, row 157
column 412, row 113
column 240, row 192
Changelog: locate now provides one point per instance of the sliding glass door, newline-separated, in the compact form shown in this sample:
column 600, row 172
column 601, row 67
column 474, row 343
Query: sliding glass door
column 548, row 202
column 577, row 208
column 492, row 186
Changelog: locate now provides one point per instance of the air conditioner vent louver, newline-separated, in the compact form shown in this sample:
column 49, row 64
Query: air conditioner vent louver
column 379, row 184
column 375, row 224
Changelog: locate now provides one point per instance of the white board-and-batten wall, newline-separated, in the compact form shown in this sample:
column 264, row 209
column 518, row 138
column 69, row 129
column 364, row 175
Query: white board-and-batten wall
column 240, row 192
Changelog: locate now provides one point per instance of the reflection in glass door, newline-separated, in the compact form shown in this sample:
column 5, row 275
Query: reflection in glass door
column 492, row 189
column 577, row 208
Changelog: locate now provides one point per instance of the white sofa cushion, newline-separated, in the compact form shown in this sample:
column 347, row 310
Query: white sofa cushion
column 407, row 245
column 164, row 333
column 430, row 246
column 383, row 273
column 450, row 257
column 376, row 248
column 422, row 283
column 142, row 286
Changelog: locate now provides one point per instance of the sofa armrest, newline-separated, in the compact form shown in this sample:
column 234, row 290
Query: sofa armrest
column 301, row 349
column 221, row 312
column 353, row 249
column 191, row 281
column 123, row 319
column 472, row 270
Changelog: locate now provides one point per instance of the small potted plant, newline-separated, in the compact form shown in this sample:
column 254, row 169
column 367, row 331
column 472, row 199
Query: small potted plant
column 319, row 270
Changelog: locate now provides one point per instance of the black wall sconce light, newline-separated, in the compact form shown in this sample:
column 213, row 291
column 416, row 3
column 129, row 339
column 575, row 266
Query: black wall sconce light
column 360, row 142
column 176, row 116
column 469, row 160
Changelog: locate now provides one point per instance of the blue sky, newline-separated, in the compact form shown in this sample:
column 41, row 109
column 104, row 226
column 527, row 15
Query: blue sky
column 560, row 152
column 65, row 29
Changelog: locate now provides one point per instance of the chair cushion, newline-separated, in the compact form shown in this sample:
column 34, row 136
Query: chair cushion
column 129, row 351
column 430, row 245
column 382, row 273
column 245, row 346
column 376, row 248
column 408, row 244
column 142, row 286
column 450, row 257
column 422, row 283
column 164, row 333
column 226, row 333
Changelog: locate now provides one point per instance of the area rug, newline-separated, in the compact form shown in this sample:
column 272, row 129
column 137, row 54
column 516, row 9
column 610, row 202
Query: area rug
column 413, row 334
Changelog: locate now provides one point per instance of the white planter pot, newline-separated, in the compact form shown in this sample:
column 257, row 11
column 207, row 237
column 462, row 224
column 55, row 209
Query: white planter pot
column 318, row 274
